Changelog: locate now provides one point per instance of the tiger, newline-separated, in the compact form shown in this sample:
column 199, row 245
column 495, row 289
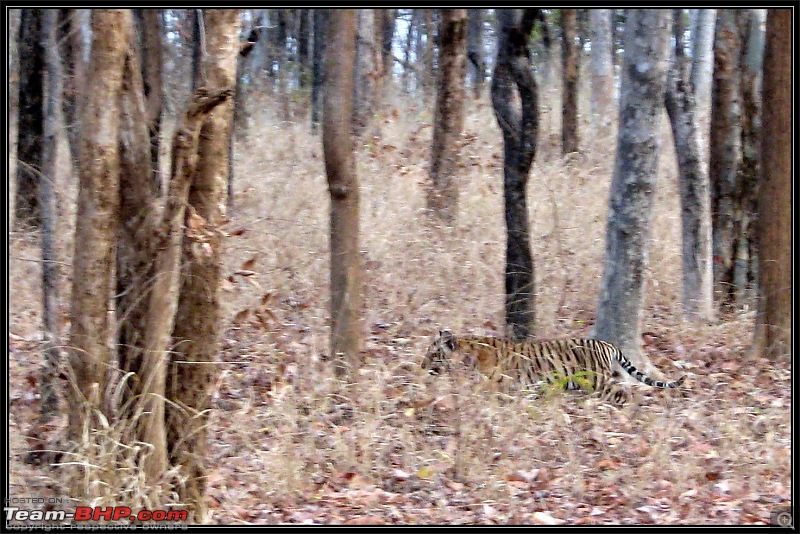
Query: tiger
column 576, row 363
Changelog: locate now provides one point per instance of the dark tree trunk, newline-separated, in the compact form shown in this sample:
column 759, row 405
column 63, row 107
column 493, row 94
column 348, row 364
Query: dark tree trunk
column 49, row 219
column 477, row 66
column 694, row 186
column 303, row 32
column 647, row 38
column 513, row 71
column 386, row 49
column 774, row 321
column 340, row 167
column 320, row 23
column 571, row 69
column 30, row 121
column 442, row 199
column 149, row 30
column 725, row 153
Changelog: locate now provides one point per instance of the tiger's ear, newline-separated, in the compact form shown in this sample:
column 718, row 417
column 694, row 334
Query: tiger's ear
column 448, row 338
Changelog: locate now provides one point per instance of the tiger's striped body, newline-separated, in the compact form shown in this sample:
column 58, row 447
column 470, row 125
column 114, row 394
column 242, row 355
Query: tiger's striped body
column 576, row 363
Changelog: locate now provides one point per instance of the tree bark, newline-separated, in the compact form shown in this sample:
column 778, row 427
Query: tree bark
column 647, row 37
column 702, row 72
column 477, row 66
column 693, row 184
column 725, row 152
column 773, row 336
column 196, row 332
column 513, row 71
column 365, row 72
column 149, row 30
column 604, row 101
column 318, row 82
column 340, row 167
column 30, row 120
column 49, row 216
column 71, row 46
column 442, row 198
column 98, row 212
column 571, row 68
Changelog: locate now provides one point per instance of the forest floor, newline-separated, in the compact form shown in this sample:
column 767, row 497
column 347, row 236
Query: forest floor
column 292, row 444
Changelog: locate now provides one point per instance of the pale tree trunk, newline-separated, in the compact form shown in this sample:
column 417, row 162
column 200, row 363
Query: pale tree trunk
column 149, row 30
column 619, row 310
column 49, row 215
column 570, row 57
column 702, row 72
column 30, row 120
column 442, row 198
column 340, row 167
column 519, row 127
column 195, row 336
column 725, row 152
column 773, row 334
column 604, row 100
column 477, row 66
column 365, row 72
column 97, row 213
column 72, row 48
column 752, row 53
column 693, row 184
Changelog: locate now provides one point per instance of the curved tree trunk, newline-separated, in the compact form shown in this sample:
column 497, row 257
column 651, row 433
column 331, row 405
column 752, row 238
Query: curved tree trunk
column 631, row 201
column 195, row 335
column 513, row 71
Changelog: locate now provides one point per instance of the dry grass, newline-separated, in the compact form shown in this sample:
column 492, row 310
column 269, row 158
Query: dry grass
column 290, row 443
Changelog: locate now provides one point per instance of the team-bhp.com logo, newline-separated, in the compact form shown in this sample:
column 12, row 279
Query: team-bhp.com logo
column 95, row 513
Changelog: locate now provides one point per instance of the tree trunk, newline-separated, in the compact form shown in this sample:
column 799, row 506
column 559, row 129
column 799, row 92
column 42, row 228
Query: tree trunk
column 647, row 38
column 30, row 120
column 98, row 212
column 303, row 31
column 513, row 70
column 442, row 199
column 477, row 66
column 571, row 69
column 387, row 56
column 774, row 227
column 195, row 335
column 49, row 216
column 340, row 167
column 365, row 72
column 320, row 23
column 71, row 45
column 752, row 53
column 604, row 100
column 702, row 72
column 725, row 152
column 149, row 30
column 694, row 186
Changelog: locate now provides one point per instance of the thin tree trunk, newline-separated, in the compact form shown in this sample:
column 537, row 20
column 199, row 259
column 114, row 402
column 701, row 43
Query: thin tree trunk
column 477, row 66
column 725, row 153
column 604, row 101
column 49, row 216
column 149, row 29
column 196, row 331
column 340, row 167
column 702, row 72
column 513, row 71
column 320, row 23
column 647, row 38
column 442, row 198
column 98, row 212
column 571, row 68
column 30, row 120
column 386, row 49
column 773, row 334
column 693, row 184
column 365, row 72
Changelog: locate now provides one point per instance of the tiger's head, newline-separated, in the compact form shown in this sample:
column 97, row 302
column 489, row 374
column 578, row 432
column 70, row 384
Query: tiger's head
column 438, row 357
